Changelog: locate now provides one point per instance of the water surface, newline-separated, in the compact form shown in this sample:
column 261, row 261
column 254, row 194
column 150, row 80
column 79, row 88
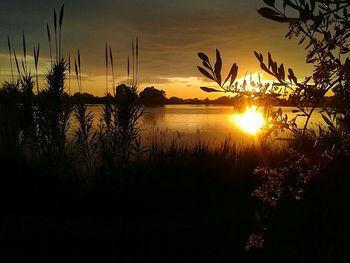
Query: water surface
column 207, row 123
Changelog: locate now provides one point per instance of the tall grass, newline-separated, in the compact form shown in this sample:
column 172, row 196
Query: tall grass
column 10, row 55
column 36, row 63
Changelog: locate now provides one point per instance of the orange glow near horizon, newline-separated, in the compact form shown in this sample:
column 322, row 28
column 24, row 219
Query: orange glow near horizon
column 251, row 121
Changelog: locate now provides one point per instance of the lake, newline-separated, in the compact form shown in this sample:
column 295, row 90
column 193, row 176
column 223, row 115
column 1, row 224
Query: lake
column 193, row 123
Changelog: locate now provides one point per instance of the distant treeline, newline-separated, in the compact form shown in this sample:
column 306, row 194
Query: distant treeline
column 151, row 96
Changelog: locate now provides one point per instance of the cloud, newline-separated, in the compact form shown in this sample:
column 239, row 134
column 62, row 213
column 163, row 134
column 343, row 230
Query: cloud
column 170, row 32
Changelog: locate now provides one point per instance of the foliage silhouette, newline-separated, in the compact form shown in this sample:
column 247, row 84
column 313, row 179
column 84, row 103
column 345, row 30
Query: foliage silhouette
column 152, row 96
column 323, row 26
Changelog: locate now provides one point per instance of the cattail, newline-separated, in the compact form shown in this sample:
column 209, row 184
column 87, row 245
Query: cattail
column 106, row 57
column 112, row 64
column 49, row 37
column 60, row 36
column 10, row 52
column 55, row 26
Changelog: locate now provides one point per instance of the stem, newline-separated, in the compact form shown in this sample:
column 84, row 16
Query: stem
column 316, row 104
column 11, row 66
column 60, row 44
column 37, row 80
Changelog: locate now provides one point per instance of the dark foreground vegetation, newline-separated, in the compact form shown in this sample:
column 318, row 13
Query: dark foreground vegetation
column 101, row 195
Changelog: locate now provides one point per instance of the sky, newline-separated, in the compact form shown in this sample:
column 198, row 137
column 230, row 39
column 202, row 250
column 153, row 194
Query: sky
column 170, row 33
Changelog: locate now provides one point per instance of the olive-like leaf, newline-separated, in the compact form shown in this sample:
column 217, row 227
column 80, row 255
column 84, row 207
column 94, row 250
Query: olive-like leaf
column 205, row 73
column 328, row 121
column 207, row 65
column 270, row 61
column 270, row 2
column 281, row 72
column 218, row 66
column 274, row 15
column 203, row 57
column 233, row 70
column 259, row 56
column 263, row 67
column 210, row 89
column 234, row 74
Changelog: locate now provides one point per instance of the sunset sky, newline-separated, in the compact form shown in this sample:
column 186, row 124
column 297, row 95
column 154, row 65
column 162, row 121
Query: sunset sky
column 170, row 33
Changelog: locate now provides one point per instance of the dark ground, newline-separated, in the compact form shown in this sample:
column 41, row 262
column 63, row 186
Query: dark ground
column 166, row 214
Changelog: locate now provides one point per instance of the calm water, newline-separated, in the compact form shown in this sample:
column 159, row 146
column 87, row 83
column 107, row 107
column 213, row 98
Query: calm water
column 207, row 123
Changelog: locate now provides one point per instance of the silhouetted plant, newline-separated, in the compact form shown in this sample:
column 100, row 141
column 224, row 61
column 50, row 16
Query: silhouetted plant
column 119, row 128
column 10, row 114
column 85, row 135
column 324, row 27
column 53, row 107
column 249, row 92
column 36, row 63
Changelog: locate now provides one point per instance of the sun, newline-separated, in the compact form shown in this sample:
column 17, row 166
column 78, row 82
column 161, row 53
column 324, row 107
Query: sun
column 251, row 121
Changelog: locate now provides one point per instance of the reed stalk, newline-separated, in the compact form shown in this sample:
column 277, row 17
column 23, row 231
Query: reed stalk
column 10, row 52
column 79, row 69
column 106, row 64
column 24, row 54
column 36, row 61
column 137, row 57
column 112, row 65
column 55, row 27
column 69, row 73
column 49, row 38
column 76, row 73
column 133, row 61
column 60, row 30
column 128, row 69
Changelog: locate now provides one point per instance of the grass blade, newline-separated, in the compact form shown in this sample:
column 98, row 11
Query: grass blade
column 49, row 37
column 137, row 56
column 36, row 58
column 128, row 67
column 69, row 71
column 60, row 36
column 24, row 52
column 17, row 65
column 61, row 16
column 76, row 73
column 112, row 64
column 79, row 68
column 106, row 57
column 133, row 60
column 55, row 26
column 10, row 52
